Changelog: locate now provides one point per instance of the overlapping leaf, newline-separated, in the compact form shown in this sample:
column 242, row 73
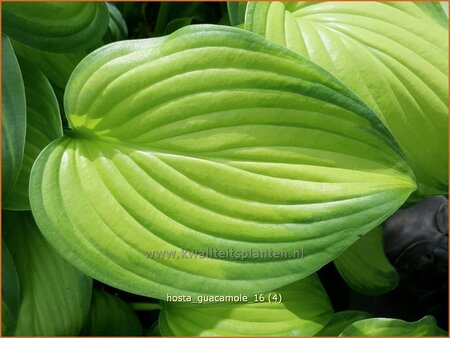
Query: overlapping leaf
column 43, row 126
column 55, row 26
column 392, row 54
column 365, row 267
column 54, row 296
column 304, row 309
column 13, row 117
column 384, row 327
column 210, row 139
column 110, row 316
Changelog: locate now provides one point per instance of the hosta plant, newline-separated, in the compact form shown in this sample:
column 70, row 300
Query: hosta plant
column 254, row 169
column 209, row 174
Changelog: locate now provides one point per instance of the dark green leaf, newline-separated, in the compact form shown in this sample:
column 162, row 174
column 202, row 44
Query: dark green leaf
column 57, row 67
column 236, row 12
column 154, row 331
column 13, row 117
column 43, row 126
column 178, row 23
column 54, row 296
column 55, row 26
column 110, row 316
column 117, row 27
column 10, row 293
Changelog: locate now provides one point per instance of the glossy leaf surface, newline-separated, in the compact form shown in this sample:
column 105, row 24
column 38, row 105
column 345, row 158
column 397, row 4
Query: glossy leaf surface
column 211, row 139
column 392, row 54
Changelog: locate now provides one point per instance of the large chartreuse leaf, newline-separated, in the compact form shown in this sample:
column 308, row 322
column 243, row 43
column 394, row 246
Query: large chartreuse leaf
column 393, row 55
column 13, row 117
column 43, row 126
column 214, row 141
column 303, row 310
column 365, row 267
column 10, row 293
column 340, row 321
column 110, row 316
column 423, row 10
column 55, row 26
column 434, row 9
column 54, row 296
column 385, row 327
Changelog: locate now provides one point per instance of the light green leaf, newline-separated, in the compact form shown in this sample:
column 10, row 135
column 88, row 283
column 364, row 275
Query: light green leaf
column 43, row 126
column 394, row 327
column 364, row 265
column 10, row 293
column 211, row 139
column 13, row 117
column 422, row 10
column 435, row 10
column 392, row 54
column 340, row 321
column 236, row 12
column 55, row 297
column 303, row 310
column 110, row 316
column 444, row 5
column 55, row 26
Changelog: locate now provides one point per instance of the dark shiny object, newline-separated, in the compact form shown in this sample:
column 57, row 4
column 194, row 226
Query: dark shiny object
column 416, row 238
column 416, row 244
